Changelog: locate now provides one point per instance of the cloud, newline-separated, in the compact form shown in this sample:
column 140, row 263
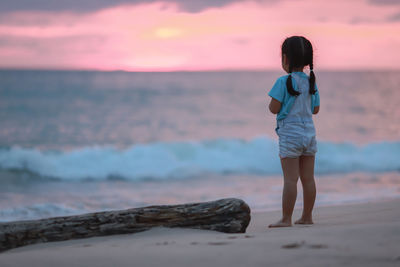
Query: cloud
column 241, row 41
column 362, row 20
column 384, row 2
column 29, row 19
column 191, row 6
column 393, row 18
column 54, row 45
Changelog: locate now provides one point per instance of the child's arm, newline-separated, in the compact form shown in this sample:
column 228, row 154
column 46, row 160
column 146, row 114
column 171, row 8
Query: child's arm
column 274, row 106
column 277, row 94
column 316, row 101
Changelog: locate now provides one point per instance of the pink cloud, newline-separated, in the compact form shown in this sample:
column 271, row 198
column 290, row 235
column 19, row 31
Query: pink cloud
column 242, row 35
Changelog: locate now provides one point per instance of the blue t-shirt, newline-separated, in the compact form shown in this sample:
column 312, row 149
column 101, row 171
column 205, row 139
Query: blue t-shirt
column 280, row 93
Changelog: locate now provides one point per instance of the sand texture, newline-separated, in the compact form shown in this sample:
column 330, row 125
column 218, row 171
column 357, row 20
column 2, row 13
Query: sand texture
column 349, row 235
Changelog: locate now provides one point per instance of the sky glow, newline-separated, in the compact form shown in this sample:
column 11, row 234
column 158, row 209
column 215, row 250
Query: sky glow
column 186, row 35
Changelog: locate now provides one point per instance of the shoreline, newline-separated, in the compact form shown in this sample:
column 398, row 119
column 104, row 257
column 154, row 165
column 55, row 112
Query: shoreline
column 355, row 234
column 24, row 200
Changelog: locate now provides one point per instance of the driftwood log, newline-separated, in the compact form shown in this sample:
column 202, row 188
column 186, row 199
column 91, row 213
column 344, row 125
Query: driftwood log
column 229, row 215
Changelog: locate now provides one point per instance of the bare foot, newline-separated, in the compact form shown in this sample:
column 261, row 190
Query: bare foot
column 280, row 224
column 304, row 221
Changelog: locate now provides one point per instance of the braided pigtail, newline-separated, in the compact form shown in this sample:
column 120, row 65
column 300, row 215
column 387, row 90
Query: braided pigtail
column 312, row 75
column 308, row 60
column 312, row 80
column 289, row 83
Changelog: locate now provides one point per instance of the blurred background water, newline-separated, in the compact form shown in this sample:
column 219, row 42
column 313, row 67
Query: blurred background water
column 79, row 141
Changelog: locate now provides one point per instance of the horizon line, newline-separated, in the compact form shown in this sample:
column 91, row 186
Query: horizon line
column 194, row 70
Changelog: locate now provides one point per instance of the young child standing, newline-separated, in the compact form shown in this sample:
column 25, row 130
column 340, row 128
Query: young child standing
column 294, row 98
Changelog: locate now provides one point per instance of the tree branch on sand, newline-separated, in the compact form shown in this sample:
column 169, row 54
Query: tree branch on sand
column 229, row 215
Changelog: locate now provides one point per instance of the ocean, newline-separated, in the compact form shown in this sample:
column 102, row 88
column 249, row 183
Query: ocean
column 73, row 142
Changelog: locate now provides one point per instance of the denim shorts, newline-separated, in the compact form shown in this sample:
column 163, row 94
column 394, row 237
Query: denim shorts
column 296, row 138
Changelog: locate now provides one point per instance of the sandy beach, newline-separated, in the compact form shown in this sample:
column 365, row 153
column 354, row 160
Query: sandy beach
column 365, row 234
column 109, row 108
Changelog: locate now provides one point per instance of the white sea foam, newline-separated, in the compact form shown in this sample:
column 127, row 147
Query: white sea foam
column 37, row 211
column 185, row 159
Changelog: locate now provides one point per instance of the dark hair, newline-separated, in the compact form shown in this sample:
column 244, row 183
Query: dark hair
column 299, row 52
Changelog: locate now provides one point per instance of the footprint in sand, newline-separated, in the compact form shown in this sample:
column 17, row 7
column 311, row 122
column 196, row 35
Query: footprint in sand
column 218, row 243
column 246, row 236
column 164, row 243
column 212, row 243
column 303, row 243
column 223, row 242
column 294, row 245
column 317, row 246
column 396, row 258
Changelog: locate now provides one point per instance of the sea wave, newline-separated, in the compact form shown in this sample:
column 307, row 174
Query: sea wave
column 38, row 211
column 164, row 160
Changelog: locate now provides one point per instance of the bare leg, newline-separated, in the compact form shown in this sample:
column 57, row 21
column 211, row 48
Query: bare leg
column 309, row 190
column 290, row 167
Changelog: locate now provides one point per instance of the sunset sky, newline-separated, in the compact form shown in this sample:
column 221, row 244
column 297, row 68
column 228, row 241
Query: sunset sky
column 137, row 35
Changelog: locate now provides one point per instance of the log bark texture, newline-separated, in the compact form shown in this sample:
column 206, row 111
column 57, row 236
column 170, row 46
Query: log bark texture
column 229, row 215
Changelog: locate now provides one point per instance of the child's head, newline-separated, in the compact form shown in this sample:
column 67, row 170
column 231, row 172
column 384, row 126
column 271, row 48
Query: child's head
column 297, row 52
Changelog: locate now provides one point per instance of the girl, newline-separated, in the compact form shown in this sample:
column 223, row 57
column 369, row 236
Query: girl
column 294, row 98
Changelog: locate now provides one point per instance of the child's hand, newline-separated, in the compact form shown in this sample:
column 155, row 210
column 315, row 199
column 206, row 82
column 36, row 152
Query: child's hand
column 275, row 106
